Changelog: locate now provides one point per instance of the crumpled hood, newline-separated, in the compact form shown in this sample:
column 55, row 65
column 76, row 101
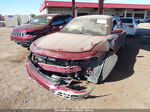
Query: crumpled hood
column 68, row 42
column 29, row 27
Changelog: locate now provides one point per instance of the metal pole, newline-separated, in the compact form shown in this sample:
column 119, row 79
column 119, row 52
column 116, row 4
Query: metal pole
column 145, row 14
column 73, row 8
column 100, row 7
column 125, row 13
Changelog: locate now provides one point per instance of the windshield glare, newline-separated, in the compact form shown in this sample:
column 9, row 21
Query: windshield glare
column 39, row 20
column 85, row 26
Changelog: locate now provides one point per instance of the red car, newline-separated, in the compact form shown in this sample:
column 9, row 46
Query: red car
column 38, row 27
column 83, row 50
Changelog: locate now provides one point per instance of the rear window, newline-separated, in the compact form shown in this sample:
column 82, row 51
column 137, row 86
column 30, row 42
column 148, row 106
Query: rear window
column 127, row 20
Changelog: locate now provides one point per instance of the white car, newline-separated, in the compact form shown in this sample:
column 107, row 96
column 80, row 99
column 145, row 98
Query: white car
column 130, row 24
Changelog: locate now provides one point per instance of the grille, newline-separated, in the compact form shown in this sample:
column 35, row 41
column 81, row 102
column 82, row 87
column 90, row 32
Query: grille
column 18, row 34
column 60, row 62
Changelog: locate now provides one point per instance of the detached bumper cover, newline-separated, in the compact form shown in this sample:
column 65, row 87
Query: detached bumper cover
column 47, row 83
column 60, row 69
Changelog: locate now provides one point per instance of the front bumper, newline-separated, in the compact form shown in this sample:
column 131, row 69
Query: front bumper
column 49, row 84
column 130, row 31
column 24, row 44
column 24, row 41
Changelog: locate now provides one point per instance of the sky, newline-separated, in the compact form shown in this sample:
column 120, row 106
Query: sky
column 11, row 7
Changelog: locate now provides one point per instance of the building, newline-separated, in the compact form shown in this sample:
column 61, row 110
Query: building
column 84, row 8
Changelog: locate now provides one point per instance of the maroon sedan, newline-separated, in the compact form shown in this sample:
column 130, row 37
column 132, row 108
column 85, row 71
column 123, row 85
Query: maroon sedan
column 85, row 49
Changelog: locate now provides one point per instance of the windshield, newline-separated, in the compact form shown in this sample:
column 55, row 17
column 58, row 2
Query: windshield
column 1, row 18
column 40, row 20
column 86, row 26
column 126, row 20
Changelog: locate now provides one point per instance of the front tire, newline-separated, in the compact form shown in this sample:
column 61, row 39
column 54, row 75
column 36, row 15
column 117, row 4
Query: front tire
column 103, row 68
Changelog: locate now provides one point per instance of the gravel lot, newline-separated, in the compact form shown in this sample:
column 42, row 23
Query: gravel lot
column 127, row 86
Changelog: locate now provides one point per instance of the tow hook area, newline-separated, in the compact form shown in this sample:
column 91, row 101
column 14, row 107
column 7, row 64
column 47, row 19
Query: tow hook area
column 72, row 95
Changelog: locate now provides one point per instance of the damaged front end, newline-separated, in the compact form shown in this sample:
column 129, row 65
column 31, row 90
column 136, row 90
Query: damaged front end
column 58, row 76
column 63, row 72
column 80, row 52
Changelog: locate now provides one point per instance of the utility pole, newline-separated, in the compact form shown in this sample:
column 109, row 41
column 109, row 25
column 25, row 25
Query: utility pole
column 73, row 8
column 100, row 7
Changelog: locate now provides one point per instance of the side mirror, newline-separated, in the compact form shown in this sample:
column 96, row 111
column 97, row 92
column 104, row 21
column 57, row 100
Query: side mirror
column 27, row 22
column 117, row 31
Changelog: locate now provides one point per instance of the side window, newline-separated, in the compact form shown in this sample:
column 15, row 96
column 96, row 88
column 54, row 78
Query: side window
column 58, row 20
column 115, row 25
column 119, row 24
column 67, row 18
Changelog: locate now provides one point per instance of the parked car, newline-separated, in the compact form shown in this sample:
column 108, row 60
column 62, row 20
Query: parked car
column 37, row 27
column 2, row 24
column 130, row 24
column 2, row 21
column 83, row 50
column 148, row 21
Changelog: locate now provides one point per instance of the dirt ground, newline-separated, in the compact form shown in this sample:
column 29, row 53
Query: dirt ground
column 127, row 86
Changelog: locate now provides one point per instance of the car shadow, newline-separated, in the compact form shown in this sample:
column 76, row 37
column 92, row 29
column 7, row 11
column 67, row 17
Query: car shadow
column 126, row 59
column 93, row 97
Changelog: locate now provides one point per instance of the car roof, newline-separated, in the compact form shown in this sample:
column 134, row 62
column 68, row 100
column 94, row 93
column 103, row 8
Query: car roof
column 52, row 15
column 96, row 16
column 128, row 18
